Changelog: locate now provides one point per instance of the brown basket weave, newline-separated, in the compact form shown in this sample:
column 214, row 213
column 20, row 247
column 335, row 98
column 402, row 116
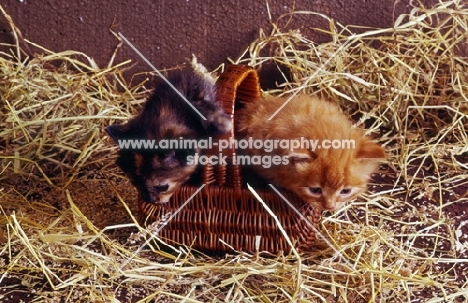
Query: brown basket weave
column 225, row 210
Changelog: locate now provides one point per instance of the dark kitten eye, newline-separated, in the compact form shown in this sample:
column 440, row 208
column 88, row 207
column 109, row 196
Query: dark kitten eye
column 161, row 188
column 315, row 190
column 345, row 192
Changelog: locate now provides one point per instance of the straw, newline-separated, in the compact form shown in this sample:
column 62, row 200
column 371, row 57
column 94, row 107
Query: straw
column 404, row 241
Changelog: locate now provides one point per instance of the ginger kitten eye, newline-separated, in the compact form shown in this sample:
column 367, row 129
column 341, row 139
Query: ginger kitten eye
column 315, row 191
column 345, row 192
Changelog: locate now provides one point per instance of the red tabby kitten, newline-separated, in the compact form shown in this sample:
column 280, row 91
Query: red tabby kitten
column 327, row 177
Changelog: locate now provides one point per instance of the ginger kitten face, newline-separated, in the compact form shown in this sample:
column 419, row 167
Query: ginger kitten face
column 328, row 178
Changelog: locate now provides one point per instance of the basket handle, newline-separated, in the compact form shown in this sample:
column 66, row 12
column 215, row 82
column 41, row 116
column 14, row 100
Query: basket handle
column 236, row 85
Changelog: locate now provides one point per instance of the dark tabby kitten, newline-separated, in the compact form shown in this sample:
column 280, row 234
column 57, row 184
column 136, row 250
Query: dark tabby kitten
column 157, row 173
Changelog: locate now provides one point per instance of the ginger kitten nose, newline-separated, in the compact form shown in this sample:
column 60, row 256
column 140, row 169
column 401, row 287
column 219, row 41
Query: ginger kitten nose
column 328, row 203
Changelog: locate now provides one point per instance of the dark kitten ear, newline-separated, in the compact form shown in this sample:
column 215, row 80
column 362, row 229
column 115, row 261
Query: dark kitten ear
column 217, row 123
column 116, row 131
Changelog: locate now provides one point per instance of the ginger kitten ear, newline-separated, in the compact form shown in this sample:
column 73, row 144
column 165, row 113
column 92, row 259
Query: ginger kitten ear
column 370, row 150
column 301, row 156
column 369, row 154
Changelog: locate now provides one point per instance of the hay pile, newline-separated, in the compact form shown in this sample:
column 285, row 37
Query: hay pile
column 53, row 109
column 404, row 241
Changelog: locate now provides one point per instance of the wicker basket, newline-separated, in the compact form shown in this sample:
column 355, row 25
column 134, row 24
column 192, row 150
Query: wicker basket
column 225, row 210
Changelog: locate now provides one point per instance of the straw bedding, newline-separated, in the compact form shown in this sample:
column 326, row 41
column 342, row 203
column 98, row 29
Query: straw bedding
column 68, row 230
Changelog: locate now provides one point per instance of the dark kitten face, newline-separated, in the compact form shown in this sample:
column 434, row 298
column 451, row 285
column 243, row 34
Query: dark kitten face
column 156, row 175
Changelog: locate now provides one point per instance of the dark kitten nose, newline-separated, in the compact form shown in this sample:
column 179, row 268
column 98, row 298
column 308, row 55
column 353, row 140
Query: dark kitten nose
column 161, row 188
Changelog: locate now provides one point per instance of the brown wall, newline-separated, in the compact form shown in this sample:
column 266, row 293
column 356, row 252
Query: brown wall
column 169, row 31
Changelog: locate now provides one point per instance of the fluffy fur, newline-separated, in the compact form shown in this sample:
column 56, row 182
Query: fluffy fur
column 158, row 173
column 327, row 178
